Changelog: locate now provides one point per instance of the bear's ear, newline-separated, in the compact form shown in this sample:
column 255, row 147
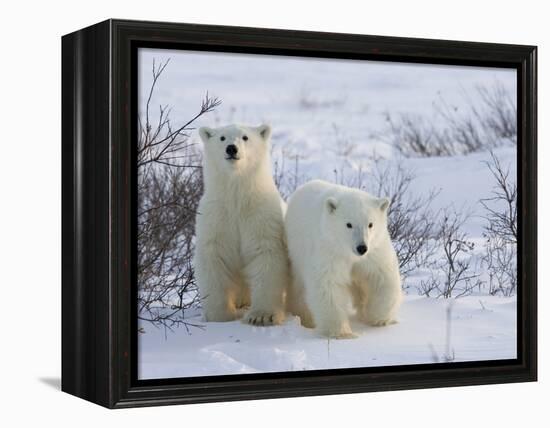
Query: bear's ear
column 264, row 131
column 331, row 204
column 206, row 133
column 383, row 203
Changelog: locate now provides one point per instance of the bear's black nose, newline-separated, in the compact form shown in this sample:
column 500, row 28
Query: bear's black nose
column 361, row 249
column 231, row 150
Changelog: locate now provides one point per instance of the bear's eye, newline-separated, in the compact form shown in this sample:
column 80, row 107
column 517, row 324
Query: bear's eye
column 222, row 138
column 370, row 225
column 245, row 138
column 349, row 225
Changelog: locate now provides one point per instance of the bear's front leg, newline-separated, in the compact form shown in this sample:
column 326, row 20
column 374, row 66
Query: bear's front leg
column 359, row 300
column 296, row 301
column 383, row 299
column 329, row 302
column 381, row 308
column 267, row 275
column 216, row 286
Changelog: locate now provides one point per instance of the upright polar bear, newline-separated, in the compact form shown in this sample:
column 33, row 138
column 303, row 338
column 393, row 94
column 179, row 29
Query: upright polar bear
column 240, row 255
column 341, row 254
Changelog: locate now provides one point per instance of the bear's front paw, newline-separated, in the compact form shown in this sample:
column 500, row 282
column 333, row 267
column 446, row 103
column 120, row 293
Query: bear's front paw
column 346, row 335
column 382, row 323
column 307, row 321
column 264, row 318
column 343, row 332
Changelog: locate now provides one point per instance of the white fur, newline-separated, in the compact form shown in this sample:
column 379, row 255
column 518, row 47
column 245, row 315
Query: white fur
column 240, row 256
column 329, row 275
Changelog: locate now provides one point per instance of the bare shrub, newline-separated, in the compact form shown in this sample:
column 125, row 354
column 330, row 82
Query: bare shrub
column 502, row 206
column 428, row 286
column 454, row 272
column 167, row 209
column 500, row 115
column 484, row 124
column 309, row 101
column 344, row 146
column 501, row 230
column 463, row 132
column 169, row 188
column 286, row 171
column 501, row 263
column 413, row 135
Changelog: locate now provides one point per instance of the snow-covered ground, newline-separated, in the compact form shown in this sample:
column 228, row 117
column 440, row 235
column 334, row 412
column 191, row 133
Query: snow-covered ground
column 481, row 328
column 330, row 115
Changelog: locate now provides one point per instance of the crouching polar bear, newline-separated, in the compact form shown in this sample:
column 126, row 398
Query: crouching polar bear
column 341, row 255
column 240, row 255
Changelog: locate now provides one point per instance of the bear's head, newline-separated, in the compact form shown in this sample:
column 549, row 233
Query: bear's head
column 236, row 148
column 355, row 222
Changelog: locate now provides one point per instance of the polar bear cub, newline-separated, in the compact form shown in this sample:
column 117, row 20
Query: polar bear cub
column 240, row 255
column 341, row 256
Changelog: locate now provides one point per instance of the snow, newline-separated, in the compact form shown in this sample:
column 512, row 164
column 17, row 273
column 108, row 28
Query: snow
column 482, row 328
column 330, row 113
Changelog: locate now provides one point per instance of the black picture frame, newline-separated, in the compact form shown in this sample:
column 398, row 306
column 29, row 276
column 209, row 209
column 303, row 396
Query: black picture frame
column 99, row 108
